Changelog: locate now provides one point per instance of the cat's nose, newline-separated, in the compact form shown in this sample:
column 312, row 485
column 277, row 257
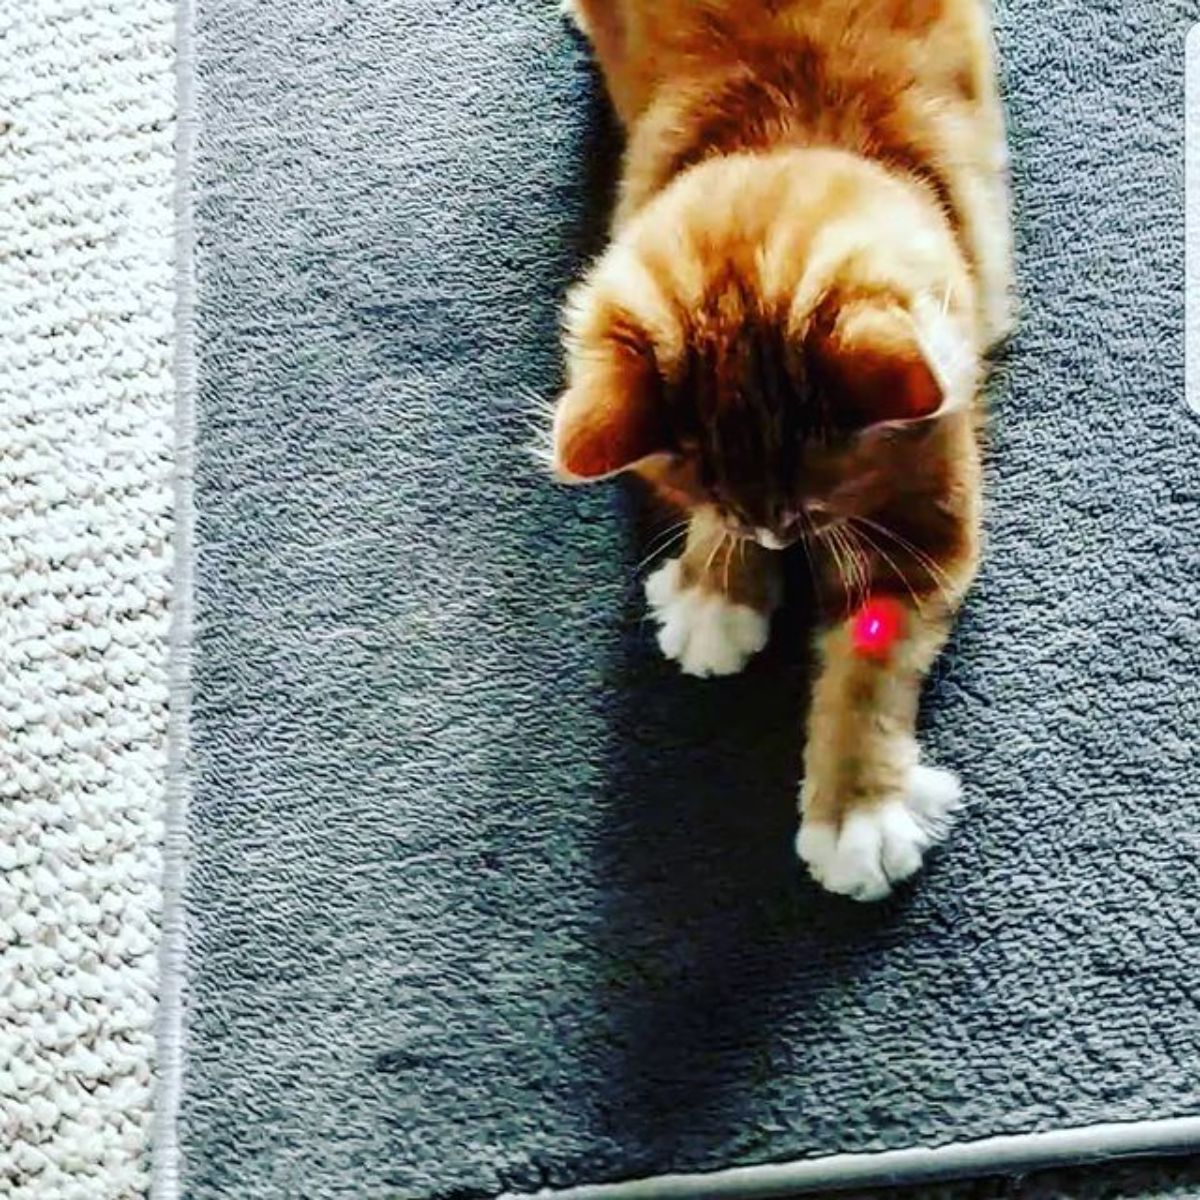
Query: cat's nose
column 778, row 539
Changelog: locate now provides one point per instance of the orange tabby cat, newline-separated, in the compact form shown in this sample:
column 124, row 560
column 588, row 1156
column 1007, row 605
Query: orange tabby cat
column 809, row 259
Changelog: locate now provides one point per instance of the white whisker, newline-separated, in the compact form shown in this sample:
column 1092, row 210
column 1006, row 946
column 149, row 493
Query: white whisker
column 713, row 553
column 829, row 535
column 937, row 575
column 540, row 427
column 734, row 543
column 891, row 562
column 662, row 543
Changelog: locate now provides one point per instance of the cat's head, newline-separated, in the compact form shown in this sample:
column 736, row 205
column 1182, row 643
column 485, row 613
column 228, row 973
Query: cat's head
column 753, row 337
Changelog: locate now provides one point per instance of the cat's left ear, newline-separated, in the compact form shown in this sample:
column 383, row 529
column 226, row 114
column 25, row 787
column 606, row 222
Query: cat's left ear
column 889, row 365
column 611, row 416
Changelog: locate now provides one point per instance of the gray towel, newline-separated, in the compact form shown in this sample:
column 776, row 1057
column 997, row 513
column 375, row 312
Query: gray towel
column 483, row 895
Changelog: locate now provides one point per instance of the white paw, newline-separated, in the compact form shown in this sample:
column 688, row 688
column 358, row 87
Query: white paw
column 703, row 631
column 877, row 848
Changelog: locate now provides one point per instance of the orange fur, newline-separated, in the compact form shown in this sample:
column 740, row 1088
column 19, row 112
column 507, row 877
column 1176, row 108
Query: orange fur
column 810, row 258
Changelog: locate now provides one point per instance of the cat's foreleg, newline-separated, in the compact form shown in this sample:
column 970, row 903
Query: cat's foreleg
column 713, row 603
column 870, row 808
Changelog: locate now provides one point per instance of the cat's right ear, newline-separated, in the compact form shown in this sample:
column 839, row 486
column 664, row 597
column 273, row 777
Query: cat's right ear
column 611, row 416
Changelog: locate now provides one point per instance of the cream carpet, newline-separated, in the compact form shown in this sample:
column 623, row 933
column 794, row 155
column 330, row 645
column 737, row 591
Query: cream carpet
column 87, row 102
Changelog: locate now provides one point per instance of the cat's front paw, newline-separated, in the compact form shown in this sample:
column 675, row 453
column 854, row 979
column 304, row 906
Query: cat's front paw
column 704, row 631
column 876, row 848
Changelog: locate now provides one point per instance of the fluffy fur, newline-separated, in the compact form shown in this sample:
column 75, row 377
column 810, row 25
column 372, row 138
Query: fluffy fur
column 785, row 338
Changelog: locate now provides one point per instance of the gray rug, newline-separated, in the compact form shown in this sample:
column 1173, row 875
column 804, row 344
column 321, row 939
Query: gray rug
column 483, row 897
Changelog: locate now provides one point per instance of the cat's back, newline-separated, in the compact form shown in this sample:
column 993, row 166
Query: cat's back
column 932, row 41
column 881, row 78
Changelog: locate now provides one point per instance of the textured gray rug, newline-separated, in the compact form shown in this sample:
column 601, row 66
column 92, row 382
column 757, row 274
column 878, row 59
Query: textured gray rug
column 483, row 897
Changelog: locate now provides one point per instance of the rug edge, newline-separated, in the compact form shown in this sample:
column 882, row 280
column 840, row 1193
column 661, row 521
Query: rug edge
column 165, row 1151
column 1001, row 1155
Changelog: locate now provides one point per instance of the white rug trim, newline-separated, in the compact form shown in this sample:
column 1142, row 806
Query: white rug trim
column 1009, row 1155
column 167, row 1164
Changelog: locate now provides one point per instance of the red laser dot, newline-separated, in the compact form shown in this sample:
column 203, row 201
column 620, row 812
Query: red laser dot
column 875, row 627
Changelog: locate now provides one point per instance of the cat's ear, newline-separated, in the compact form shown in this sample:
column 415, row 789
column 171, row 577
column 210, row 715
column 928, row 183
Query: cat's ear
column 881, row 367
column 611, row 417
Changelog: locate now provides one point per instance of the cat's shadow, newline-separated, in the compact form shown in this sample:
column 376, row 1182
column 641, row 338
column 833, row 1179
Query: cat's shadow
column 712, row 936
